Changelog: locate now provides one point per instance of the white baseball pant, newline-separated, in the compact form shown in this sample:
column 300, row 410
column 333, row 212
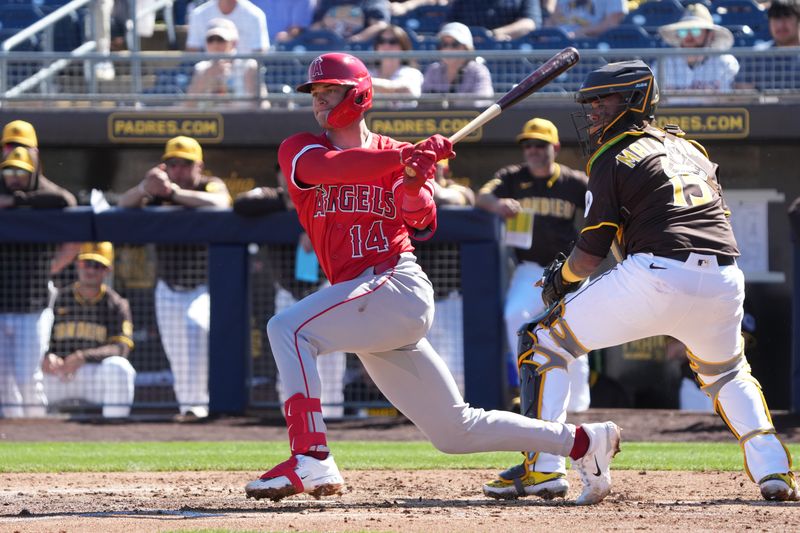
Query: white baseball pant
column 108, row 383
column 23, row 340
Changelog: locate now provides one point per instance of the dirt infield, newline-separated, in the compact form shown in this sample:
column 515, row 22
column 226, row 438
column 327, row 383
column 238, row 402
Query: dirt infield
column 440, row 501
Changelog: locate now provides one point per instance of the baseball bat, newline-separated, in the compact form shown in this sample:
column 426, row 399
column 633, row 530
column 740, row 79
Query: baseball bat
column 547, row 72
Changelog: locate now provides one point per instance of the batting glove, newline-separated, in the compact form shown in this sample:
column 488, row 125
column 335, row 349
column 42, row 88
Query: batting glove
column 439, row 145
column 420, row 167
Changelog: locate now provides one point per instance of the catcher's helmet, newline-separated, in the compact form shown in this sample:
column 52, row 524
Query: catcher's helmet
column 635, row 82
column 342, row 69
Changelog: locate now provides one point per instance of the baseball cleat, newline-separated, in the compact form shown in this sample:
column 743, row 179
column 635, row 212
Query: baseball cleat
column 518, row 481
column 779, row 487
column 594, row 466
column 299, row 474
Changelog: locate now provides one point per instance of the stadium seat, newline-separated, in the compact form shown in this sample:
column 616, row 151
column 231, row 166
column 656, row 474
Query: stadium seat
column 171, row 80
column 482, row 38
column 543, row 39
column 18, row 16
column 741, row 12
column 424, row 19
column 743, row 35
column 282, row 76
column 655, row 13
column 627, row 36
column 313, row 41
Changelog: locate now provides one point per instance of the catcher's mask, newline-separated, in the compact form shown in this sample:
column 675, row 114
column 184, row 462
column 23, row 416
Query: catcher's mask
column 342, row 69
column 634, row 82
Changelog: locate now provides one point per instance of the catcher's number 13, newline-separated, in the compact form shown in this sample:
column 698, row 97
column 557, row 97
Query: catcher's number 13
column 684, row 184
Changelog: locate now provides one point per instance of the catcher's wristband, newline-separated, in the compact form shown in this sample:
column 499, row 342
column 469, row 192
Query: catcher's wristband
column 567, row 274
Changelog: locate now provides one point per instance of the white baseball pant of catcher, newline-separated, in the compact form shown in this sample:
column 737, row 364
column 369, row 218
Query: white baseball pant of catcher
column 697, row 302
column 523, row 302
column 383, row 318
column 183, row 324
column 108, row 383
column 24, row 338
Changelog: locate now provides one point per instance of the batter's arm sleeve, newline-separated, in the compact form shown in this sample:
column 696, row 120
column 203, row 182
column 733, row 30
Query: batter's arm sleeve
column 319, row 165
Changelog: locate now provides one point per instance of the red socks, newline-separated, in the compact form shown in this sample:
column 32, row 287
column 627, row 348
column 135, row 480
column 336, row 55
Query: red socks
column 321, row 456
column 581, row 445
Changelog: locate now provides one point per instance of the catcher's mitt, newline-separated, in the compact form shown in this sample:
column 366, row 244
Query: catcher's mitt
column 553, row 285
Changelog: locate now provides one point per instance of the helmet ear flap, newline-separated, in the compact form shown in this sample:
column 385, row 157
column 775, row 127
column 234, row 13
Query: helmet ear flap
column 357, row 101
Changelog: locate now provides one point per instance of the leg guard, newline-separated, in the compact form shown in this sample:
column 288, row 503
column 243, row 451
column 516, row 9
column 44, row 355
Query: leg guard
column 544, row 378
column 737, row 398
column 303, row 437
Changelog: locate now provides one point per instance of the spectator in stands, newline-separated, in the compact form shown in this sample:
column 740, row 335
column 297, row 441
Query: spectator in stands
column 506, row 20
column 226, row 75
column 696, row 29
column 401, row 7
column 181, row 295
column 354, row 20
column 549, row 197
column 25, row 270
column 460, row 75
column 287, row 18
column 396, row 75
column 101, row 19
column 250, row 22
column 782, row 71
column 92, row 336
column 587, row 18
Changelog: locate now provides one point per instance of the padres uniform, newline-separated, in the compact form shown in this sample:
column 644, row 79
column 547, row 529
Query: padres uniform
column 658, row 195
column 182, row 313
column 554, row 202
column 25, row 315
column 97, row 328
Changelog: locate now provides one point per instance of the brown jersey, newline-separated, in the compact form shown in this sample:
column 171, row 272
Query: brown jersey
column 88, row 325
column 184, row 266
column 552, row 200
column 658, row 194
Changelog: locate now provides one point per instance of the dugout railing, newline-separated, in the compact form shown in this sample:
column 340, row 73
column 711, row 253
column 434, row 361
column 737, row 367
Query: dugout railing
column 468, row 239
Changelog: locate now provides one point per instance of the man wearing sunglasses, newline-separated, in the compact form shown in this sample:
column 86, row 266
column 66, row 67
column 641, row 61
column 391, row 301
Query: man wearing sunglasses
column 552, row 195
column 698, row 72
column 181, row 295
column 92, row 336
column 25, row 270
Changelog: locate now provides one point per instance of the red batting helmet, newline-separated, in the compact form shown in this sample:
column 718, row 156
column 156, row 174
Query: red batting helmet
column 342, row 69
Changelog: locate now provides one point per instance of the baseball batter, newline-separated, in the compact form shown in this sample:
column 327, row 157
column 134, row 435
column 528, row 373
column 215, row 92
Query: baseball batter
column 658, row 196
column 360, row 210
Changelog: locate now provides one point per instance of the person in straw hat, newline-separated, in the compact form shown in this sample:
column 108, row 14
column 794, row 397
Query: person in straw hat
column 704, row 72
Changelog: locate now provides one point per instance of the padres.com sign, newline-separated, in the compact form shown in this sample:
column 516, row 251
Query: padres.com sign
column 707, row 123
column 417, row 125
column 160, row 127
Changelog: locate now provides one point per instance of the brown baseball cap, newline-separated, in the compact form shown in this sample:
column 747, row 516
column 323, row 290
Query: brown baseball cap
column 539, row 128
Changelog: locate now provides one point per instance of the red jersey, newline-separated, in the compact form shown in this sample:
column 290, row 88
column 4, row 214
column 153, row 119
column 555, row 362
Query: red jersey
column 354, row 223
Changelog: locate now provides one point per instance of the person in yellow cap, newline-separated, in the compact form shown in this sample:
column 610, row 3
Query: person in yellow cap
column 92, row 335
column 181, row 296
column 18, row 133
column 24, row 295
column 541, row 200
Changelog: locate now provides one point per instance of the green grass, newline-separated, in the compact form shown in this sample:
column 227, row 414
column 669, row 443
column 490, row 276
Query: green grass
column 350, row 455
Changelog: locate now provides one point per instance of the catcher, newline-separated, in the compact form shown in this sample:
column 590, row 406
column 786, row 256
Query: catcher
column 658, row 195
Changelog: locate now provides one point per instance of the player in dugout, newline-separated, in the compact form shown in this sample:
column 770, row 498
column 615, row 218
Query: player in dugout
column 91, row 339
column 361, row 197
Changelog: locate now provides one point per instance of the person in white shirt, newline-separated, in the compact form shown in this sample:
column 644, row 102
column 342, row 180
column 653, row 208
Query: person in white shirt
column 697, row 72
column 226, row 75
column 396, row 75
column 250, row 21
